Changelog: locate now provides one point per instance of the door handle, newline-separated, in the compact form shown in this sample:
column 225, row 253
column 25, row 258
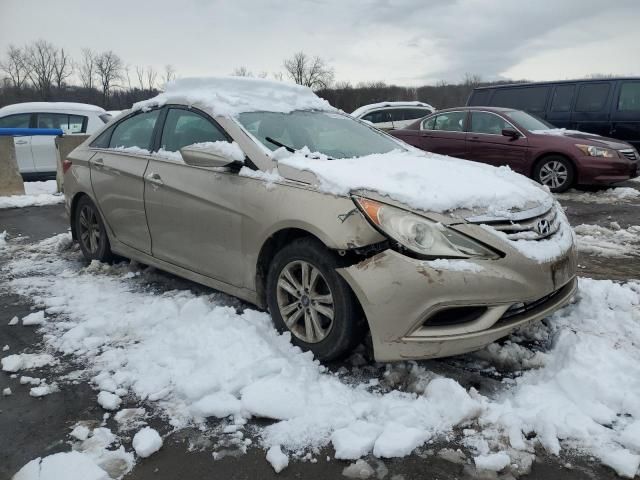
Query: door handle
column 98, row 163
column 154, row 178
column 21, row 142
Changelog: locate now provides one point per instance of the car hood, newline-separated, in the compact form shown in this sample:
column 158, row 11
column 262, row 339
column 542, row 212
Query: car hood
column 587, row 138
column 419, row 181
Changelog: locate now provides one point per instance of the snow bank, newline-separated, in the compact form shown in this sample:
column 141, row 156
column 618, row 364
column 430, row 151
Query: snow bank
column 425, row 181
column 229, row 96
column 67, row 465
column 36, row 194
column 146, row 442
column 193, row 357
column 608, row 242
column 609, row 195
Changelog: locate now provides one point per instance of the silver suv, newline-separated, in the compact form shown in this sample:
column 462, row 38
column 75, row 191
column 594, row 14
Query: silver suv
column 262, row 190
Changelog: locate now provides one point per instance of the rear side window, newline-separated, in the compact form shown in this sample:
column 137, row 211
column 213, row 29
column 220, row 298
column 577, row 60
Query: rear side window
column 20, row 120
column 63, row 121
column 562, row 98
column 449, row 122
column 379, row 116
column 183, row 127
column 530, row 99
column 592, row 98
column 136, row 131
column 629, row 100
column 480, row 98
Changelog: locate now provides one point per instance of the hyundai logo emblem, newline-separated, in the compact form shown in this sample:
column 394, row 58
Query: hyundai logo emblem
column 543, row 227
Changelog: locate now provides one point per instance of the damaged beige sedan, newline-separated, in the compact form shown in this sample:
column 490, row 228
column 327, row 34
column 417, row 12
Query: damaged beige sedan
column 264, row 191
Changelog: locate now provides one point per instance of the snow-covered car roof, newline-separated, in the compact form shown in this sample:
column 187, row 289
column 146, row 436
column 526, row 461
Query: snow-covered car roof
column 358, row 112
column 50, row 107
column 230, row 96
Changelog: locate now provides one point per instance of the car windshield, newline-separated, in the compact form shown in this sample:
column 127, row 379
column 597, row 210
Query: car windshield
column 528, row 121
column 333, row 134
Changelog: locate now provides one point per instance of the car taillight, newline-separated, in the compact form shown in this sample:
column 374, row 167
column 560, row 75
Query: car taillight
column 66, row 165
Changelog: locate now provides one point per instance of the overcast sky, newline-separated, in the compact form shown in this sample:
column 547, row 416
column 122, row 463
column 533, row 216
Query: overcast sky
column 406, row 42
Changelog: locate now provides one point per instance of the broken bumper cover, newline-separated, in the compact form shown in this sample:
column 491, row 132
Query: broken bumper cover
column 416, row 310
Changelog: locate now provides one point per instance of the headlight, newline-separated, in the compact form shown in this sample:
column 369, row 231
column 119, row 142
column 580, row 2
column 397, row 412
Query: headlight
column 596, row 151
column 419, row 234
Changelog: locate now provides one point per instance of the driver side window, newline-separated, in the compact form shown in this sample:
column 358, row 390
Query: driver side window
column 185, row 127
column 488, row 123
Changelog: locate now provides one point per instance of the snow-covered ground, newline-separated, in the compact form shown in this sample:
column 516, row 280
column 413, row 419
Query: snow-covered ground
column 576, row 384
column 609, row 195
column 36, row 194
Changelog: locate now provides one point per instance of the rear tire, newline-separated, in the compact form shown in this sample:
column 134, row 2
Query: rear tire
column 309, row 299
column 555, row 172
column 91, row 232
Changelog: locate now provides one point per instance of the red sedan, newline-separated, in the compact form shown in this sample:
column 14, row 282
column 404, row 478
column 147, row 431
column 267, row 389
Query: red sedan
column 555, row 157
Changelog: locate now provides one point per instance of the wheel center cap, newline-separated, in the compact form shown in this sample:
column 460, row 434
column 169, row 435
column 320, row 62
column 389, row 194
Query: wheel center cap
column 304, row 300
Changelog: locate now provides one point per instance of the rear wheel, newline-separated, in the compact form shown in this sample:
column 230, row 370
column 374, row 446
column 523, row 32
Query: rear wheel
column 308, row 298
column 91, row 233
column 555, row 172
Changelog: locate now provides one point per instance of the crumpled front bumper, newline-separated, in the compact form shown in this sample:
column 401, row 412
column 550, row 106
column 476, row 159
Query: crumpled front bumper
column 400, row 295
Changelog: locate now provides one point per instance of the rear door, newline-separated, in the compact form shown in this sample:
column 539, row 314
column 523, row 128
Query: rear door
column 591, row 111
column 486, row 144
column 43, row 147
column 117, row 177
column 194, row 214
column 444, row 133
column 562, row 99
column 625, row 117
column 22, row 144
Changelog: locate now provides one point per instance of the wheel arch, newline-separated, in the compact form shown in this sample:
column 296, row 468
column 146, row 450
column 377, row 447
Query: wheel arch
column 72, row 212
column 541, row 157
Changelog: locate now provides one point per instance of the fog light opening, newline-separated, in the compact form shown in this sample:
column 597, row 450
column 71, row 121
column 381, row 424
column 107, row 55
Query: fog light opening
column 454, row 316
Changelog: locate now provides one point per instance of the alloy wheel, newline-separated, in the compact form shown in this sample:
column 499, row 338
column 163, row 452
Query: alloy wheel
column 89, row 225
column 553, row 174
column 305, row 301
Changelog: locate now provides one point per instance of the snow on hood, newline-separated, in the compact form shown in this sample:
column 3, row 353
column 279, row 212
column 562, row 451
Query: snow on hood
column 230, row 96
column 589, row 137
column 424, row 181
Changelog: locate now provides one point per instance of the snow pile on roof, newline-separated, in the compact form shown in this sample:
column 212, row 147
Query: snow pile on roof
column 608, row 242
column 195, row 357
column 49, row 107
column 372, row 106
column 229, row 96
column 36, row 194
column 424, row 181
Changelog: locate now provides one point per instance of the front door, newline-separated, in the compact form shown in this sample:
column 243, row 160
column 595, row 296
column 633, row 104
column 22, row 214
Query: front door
column 117, row 174
column 195, row 214
column 486, row 144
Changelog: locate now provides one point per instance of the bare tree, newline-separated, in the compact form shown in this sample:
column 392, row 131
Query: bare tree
column 16, row 66
column 471, row 80
column 152, row 75
column 169, row 74
column 242, row 72
column 87, row 68
column 140, row 75
column 109, row 70
column 62, row 67
column 312, row 72
column 41, row 58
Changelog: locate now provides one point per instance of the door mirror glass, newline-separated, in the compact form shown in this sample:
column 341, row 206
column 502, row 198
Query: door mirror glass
column 510, row 132
column 213, row 154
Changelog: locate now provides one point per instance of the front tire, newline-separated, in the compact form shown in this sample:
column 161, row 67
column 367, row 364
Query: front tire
column 91, row 232
column 309, row 299
column 555, row 172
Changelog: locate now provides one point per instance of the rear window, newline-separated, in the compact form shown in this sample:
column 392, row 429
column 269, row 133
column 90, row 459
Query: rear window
column 530, row 99
column 592, row 98
column 629, row 100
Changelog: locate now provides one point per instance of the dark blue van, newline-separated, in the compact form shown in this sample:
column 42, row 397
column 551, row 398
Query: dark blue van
column 609, row 107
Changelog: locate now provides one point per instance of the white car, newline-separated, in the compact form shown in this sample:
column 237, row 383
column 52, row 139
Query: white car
column 393, row 115
column 36, row 155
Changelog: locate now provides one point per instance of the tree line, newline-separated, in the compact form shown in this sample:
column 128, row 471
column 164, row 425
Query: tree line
column 41, row 71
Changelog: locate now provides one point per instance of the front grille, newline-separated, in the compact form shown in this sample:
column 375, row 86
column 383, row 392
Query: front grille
column 534, row 228
column 630, row 153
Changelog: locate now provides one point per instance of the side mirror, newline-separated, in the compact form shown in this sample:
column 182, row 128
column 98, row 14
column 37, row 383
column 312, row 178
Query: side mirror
column 213, row 155
column 511, row 133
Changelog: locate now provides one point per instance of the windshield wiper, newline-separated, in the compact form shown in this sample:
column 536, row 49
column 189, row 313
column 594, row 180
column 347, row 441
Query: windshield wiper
column 278, row 144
